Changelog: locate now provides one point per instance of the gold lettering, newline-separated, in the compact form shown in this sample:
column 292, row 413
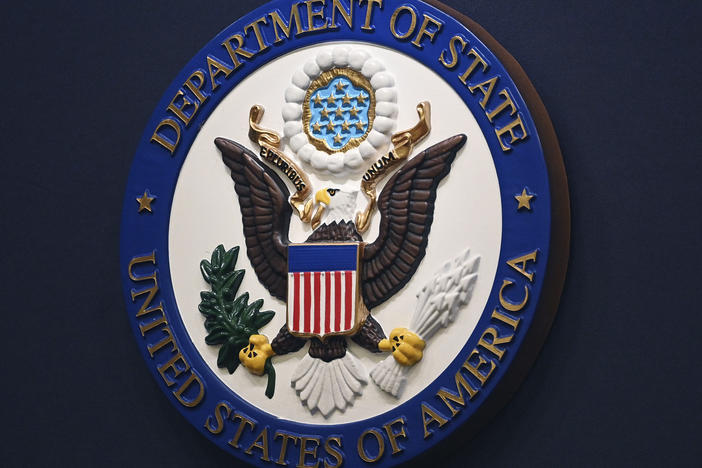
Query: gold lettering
column 216, row 67
column 219, row 417
column 238, row 50
column 279, row 22
column 196, row 88
column 520, row 263
column 486, row 88
column 511, row 306
column 393, row 22
column 447, row 395
column 179, row 108
column 506, row 319
column 257, row 32
column 161, row 320
column 145, row 309
column 338, row 5
column 454, row 52
column 137, row 260
column 509, row 128
column 334, row 452
column 362, row 451
column 393, row 436
column 312, row 14
column 505, row 104
column 244, row 422
column 152, row 349
column 475, row 369
column 200, row 394
column 478, row 60
column 495, row 340
column 284, row 447
column 172, row 364
column 434, row 416
column 367, row 26
column 261, row 443
column 424, row 31
column 304, row 451
column 162, row 140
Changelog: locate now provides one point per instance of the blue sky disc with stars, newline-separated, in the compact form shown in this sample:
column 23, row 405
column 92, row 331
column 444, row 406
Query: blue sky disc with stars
column 339, row 113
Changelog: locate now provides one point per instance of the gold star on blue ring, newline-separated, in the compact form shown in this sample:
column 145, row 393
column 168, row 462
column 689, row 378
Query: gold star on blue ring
column 145, row 201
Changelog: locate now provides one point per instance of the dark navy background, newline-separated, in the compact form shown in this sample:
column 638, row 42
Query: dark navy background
column 618, row 380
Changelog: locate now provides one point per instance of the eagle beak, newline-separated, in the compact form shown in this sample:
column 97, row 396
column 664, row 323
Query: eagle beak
column 322, row 200
column 322, row 196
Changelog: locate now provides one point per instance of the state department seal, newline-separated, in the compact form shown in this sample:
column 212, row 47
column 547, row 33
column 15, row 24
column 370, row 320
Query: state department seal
column 345, row 232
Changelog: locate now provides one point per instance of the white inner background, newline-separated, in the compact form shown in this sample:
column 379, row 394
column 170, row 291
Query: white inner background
column 206, row 213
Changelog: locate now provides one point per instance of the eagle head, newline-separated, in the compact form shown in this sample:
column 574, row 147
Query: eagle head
column 334, row 205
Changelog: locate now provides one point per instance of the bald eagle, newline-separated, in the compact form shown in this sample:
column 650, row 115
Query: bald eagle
column 406, row 206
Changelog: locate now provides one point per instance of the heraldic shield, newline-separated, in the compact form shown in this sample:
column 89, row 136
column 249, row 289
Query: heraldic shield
column 323, row 289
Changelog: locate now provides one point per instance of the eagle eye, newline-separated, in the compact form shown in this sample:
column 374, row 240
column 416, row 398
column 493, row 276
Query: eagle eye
column 332, row 191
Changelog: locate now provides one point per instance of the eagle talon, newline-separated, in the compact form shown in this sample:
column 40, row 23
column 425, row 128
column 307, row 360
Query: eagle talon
column 406, row 347
column 255, row 354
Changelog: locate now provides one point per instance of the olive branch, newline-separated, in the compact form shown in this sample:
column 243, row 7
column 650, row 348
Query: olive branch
column 229, row 319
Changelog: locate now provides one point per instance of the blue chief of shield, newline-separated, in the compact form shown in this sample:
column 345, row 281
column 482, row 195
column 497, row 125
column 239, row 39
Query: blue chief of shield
column 339, row 113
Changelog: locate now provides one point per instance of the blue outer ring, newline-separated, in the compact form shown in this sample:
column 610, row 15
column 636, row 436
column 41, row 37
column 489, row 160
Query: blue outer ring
column 155, row 170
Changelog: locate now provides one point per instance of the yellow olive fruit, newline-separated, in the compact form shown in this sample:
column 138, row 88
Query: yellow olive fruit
column 255, row 355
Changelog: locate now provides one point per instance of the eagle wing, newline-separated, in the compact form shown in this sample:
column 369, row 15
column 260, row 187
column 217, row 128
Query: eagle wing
column 406, row 206
column 265, row 213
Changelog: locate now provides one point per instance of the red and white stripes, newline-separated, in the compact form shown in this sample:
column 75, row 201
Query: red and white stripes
column 321, row 302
